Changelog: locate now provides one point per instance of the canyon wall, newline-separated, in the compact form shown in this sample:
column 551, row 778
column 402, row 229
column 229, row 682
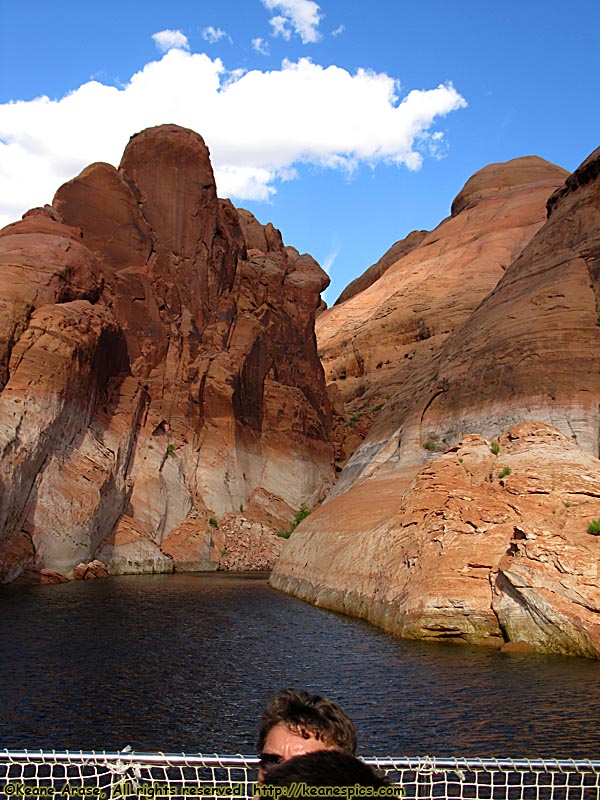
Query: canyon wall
column 463, row 513
column 386, row 335
column 163, row 405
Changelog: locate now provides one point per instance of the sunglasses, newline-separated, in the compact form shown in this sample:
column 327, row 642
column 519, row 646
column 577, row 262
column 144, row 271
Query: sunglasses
column 268, row 760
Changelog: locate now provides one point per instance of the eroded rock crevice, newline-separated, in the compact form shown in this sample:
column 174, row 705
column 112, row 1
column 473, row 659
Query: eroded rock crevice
column 178, row 321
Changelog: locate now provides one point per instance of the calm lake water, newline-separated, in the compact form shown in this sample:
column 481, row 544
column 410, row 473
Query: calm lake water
column 187, row 662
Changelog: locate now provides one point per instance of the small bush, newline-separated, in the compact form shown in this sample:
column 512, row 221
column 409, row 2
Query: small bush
column 435, row 447
column 355, row 417
column 212, row 521
column 594, row 527
column 495, row 448
column 301, row 514
column 170, row 449
column 505, row 472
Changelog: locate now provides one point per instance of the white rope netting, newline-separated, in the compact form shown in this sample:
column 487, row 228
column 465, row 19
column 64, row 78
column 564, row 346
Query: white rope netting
column 68, row 774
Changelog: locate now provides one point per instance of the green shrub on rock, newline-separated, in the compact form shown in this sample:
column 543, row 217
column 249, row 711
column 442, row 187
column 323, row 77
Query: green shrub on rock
column 594, row 527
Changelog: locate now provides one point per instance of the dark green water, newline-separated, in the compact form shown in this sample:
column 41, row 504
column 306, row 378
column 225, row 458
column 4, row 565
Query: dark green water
column 186, row 663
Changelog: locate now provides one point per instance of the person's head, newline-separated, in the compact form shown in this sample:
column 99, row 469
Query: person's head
column 326, row 768
column 296, row 723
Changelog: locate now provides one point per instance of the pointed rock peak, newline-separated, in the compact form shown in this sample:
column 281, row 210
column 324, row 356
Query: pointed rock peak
column 587, row 172
column 169, row 172
column 259, row 237
column 504, row 177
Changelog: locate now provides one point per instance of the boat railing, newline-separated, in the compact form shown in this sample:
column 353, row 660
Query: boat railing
column 128, row 774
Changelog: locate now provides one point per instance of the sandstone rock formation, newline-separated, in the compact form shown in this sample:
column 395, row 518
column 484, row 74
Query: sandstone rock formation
column 442, row 546
column 158, row 368
column 474, row 547
column 397, row 251
column 87, row 572
column 372, row 343
column 163, row 406
column 530, row 350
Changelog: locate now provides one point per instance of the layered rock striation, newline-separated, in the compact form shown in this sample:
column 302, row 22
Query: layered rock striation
column 158, row 369
column 163, row 405
column 475, row 547
column 377, row 339
column 530, row 350
column 471, row 546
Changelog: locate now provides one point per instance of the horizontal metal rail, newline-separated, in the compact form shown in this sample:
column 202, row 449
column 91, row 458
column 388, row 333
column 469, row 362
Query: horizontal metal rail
column 403, row 762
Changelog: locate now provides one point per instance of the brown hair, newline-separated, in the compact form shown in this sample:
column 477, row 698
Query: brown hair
column 309, row 714
column 327, row 768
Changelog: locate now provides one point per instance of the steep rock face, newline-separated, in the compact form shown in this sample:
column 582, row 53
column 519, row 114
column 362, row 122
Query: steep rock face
column 374, row 341
column 42, row 262
column 60, row 368
column 474, row 547
column 468, row 546
column 530, row 350
column 169, row 375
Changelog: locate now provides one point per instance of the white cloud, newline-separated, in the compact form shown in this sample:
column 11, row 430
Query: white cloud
column 339, row 30
column 213, row 35
column 329, row 261
column 167, row 40
column 280, row 27
column 331, row 256
column 261, row 46
column 326, row 117
column 295, row 16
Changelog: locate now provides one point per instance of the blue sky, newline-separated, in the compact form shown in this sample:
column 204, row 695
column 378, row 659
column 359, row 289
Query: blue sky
column 346, row 123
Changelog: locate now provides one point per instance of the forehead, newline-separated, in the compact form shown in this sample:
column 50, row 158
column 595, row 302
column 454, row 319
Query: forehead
column 286, row 743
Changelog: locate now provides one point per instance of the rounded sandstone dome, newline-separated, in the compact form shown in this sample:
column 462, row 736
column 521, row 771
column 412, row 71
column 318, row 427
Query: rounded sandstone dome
column 506, row 176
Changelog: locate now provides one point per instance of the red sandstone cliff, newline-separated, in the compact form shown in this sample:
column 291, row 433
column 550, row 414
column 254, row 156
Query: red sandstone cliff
column 376, row 340
column 397, row 251
column 530, row 350
column 158, row 369
column 470, row 546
